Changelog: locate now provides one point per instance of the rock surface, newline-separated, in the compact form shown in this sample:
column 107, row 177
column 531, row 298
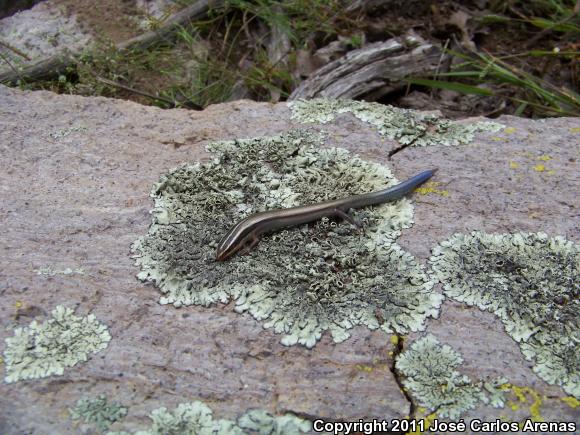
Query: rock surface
column 76, row 175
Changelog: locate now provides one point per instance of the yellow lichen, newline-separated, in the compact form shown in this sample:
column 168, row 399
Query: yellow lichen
column 431, row 187
column 509, row 130
column 545, row 158
column 514, row 165
column 571, row 401
column 394, row 340
column 427, row 419
column 496, row 138
column 525, row 395
column 539, row 168
column 363, row 368
column 575, row 129
column 18, row 304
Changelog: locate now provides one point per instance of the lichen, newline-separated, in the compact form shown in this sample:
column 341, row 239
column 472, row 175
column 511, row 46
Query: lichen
column 263, row 423
column 406, row 126
column 196, row 418
column 98, row 411
column 531, row 282
column 430, row 375
column 527, row 397
column 349, row 284
column 47, row 348
column 300, row 281
column 60, row 134
column 572, row 402
column 431, row 187
column 48, row 270
column 426, row 419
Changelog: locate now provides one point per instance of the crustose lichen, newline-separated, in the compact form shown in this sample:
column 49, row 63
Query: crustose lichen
column 300, row 281
column 531, row 282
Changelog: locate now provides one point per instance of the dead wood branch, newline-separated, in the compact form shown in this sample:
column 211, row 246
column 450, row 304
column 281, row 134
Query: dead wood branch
column 371, row 71
column 58, row 64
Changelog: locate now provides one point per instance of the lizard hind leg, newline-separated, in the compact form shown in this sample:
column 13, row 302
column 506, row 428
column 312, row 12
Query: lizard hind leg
column 349, row 218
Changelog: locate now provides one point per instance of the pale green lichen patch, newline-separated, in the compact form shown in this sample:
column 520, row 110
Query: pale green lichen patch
column 47, row 348
column 60, row 134
column 98, row 411
column 300, row 281
column 48, row 270
column 261, row 422
column 531, row 282
column 334, row 288
column 408, row 127
column 196, row 418
column 430, row 375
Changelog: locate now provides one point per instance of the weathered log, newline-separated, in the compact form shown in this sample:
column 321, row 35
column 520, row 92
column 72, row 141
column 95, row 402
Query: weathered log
column 278, row 47
column 58, row 64
column 376, row 69
column 196, row 11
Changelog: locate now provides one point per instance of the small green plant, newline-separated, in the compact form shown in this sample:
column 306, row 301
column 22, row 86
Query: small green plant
column 527, row 91
column 524, row 78
column 239, row 36
column 528, row 11
column 206, row 61
column 205, row 82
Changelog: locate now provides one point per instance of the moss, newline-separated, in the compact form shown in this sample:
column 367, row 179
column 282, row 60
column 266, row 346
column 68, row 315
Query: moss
column 431, row 377
column 98, row 412
column 530, row 281
column 408, row 127
column 44, row 349
column 196, row 418
column 300, row 281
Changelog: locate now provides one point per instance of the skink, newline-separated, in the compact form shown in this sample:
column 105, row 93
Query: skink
column 246, row 233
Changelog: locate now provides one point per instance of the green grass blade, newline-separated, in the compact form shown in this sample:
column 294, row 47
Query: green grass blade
column 452, row 86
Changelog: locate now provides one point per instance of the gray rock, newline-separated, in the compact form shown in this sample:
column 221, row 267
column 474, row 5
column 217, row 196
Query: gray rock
column 76, row 175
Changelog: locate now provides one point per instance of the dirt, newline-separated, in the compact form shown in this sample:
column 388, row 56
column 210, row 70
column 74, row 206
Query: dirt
column 114, row 20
